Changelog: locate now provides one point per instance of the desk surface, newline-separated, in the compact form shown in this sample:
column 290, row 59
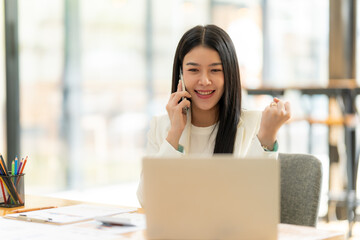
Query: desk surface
column 286, row 231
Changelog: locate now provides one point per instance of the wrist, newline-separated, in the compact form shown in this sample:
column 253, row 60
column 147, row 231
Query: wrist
column 173, row 139
column 267, row 143
column 274, row 148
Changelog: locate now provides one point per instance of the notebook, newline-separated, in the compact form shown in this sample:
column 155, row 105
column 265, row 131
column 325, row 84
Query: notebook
column 211, row 198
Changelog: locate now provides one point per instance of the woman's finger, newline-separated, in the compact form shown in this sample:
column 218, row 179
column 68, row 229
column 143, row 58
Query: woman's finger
column 182, row 94
column 184, row 103
column 176, row 97
column 179, row 87
column 172, row 96
column 288, row 108
column 273, row 104
column 280, row 106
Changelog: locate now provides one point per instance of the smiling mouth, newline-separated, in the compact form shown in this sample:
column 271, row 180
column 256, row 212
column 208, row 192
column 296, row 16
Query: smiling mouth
column 204, row 93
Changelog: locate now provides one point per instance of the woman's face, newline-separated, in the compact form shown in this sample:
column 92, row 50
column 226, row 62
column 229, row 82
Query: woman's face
column 204, row 77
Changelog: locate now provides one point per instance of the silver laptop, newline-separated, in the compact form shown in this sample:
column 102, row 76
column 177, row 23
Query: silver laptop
column 211, row 198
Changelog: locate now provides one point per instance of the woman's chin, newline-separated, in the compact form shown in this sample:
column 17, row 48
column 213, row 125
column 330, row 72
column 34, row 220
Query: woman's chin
column 205, row 107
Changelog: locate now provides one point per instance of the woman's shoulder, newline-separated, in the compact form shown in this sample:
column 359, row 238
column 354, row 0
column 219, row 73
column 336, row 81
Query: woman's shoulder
column 249, row 115
column 249, row 118
column 160, row 122
column 160, row 119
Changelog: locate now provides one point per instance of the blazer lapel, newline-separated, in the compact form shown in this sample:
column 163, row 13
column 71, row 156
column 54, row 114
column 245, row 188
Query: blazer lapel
column 185, row 136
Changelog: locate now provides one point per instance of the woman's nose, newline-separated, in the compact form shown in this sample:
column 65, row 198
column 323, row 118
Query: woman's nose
column 204, row 79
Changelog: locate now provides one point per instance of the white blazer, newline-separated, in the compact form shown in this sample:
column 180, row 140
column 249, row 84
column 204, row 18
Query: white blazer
column 246, row 142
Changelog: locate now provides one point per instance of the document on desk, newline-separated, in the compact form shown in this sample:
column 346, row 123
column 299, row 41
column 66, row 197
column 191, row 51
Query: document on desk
column 15, row 230
column 69, row 214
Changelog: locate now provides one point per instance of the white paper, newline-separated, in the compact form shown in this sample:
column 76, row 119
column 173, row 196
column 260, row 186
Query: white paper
column 90, row 230
column 70, row 214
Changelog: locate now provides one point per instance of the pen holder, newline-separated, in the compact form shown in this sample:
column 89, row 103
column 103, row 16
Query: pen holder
column 12, row 191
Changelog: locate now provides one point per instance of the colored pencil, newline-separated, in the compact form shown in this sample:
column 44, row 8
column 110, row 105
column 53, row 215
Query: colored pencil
column 11, row 193
column 9, row 185
column 32, row 209
column 23, row 166
column 3, row 164
column 21, row 171
column 3, row 190
column 13, row 167
column 4, row 180
column 19, row 168
column 2, row 185
column 16, row 165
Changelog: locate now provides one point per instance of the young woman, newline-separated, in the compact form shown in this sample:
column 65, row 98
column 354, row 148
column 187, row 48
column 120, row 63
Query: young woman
column 213, row 121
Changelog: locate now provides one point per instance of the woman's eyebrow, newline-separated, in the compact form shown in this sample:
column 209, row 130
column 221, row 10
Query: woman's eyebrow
column 210, row 65
column 192, row 64
column 215, row 64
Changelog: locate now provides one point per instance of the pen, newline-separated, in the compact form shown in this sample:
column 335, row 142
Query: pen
column 30, row 219
column 118, row 224
column 32, row 209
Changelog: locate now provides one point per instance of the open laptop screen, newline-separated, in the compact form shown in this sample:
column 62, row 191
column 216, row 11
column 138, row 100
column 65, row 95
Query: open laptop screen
column 211, row 198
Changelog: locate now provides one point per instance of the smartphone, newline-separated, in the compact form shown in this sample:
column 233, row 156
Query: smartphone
column 184, row 110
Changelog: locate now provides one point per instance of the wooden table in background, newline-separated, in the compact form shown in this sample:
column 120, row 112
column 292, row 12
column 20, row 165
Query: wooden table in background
column 286, row 231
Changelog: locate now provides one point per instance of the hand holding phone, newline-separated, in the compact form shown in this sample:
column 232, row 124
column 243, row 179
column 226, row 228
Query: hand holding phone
column 177, row 111
column 185, row 109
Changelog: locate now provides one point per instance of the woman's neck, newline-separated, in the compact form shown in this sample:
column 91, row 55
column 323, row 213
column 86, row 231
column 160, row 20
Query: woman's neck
column 204, row 118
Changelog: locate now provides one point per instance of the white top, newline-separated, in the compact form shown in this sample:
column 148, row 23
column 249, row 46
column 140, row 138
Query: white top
column 199, row 140
column 203, row 139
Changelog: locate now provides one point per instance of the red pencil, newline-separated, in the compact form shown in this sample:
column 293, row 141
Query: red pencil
column 3, row 191
column 23, row 166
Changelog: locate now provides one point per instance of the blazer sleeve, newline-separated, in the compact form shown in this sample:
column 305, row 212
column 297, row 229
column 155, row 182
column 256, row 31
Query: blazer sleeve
column 157, row 145
column 256, row 150
column 247, row 142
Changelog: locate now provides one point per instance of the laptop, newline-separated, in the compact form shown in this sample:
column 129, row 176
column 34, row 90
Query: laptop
column 219, row 197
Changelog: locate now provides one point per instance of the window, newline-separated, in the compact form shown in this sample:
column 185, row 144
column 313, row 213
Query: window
column 113, row 90
column 297, row 43
column 243, row 22
column 41, row 70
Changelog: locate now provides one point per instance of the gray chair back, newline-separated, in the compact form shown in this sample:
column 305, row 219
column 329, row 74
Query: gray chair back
column 300, row 178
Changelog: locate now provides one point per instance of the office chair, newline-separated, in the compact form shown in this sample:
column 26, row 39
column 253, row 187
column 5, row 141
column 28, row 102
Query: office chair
column 300, row 178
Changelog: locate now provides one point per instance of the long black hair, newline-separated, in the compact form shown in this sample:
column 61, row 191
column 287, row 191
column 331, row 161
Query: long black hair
column 216, row 38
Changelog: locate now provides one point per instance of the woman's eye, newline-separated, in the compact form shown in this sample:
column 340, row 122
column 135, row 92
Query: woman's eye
column 193, row 70
column 216, row 70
